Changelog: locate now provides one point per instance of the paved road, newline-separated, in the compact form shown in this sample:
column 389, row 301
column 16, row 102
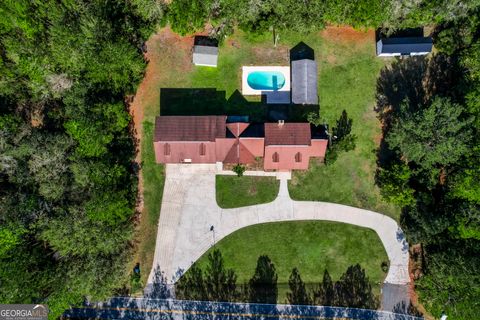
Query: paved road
column 189, row 209
column 132, row 308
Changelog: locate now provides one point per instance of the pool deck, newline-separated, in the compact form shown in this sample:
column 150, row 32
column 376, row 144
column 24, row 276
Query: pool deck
column 248, row 91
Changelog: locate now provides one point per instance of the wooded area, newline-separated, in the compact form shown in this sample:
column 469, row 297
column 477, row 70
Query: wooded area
column 67, row 176
column 429, row 164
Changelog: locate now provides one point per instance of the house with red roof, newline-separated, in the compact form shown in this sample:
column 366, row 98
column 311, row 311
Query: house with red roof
column 211, row 139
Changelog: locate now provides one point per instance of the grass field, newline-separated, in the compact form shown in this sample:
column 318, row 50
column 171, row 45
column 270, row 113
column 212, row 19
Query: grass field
column 234, row 192
column 154, row 178
column 347, row 80
column 311, row 246
column 348, row 70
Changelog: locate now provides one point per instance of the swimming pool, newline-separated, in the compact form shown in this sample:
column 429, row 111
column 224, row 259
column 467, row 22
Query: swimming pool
column 266, row 80
column 259, row 80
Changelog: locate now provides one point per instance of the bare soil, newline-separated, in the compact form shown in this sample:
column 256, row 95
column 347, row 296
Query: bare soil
column 348, row 35
column 269, row 55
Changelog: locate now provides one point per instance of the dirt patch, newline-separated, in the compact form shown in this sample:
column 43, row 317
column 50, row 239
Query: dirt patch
column 348, row 35
column 415, row 266
column 233, row 43
column 252, row 190
column 331, row 59
column 269, row 55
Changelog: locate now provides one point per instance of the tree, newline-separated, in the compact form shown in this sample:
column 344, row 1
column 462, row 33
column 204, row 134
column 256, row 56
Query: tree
column 354, row 290
column 467, row 221
column 220, row 283
column 325, row 293
column 75, row 235
column 434, row 137
column 342, row 140
column 10, row 238
column 110, row 207
column 298, row 294
column 263, row 285
column 188, row 16
column 393, row 182
column 65, row 68
column 464, row 183
column 191, row 286
column 452, row 281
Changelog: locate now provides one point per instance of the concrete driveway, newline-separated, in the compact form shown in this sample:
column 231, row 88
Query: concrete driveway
column 189, row 210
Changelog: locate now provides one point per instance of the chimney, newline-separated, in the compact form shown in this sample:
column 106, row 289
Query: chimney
column 281, row 123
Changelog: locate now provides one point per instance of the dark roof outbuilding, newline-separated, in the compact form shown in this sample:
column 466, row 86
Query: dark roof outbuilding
column 404, row 46
column 304, row 81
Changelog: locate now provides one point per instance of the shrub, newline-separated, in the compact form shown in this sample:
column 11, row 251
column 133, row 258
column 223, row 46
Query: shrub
column 239, row 169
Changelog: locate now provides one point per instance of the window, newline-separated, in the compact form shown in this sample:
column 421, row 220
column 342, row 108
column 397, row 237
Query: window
column 298, row 157
column 166, row 149
column 203, row 149
column 275, row 157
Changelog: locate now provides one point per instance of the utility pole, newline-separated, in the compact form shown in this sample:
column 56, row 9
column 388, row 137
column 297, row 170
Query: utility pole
column 212, row 228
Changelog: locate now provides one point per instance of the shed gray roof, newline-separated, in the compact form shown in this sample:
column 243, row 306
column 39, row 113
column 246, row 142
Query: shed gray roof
column 404, row 45
column 304, row 82
column 205, row 55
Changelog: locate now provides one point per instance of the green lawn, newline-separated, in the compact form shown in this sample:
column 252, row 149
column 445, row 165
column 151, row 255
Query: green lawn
column 347, row 79
column 234, row 192
column 311, row 246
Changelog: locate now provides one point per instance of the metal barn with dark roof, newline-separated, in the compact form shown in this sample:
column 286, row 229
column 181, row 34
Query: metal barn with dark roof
column 405, row 46
column 304, row 81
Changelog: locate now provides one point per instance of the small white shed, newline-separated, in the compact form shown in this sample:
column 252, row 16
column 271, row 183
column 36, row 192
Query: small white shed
column 205, row 56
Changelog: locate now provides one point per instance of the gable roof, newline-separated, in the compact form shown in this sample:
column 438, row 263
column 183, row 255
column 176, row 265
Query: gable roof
column 236, row 128
column 189, row 128
column 304, row 82
column 287, row 134
column 205, row 55
column 404, row 45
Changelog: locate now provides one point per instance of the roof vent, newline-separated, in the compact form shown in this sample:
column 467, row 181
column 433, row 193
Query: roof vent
column 281, row 123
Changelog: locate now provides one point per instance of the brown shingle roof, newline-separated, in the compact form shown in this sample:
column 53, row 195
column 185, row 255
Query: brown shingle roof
column 287, row 134
column 190, row 128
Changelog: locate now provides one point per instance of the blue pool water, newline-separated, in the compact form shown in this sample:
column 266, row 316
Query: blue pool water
column 266, row 80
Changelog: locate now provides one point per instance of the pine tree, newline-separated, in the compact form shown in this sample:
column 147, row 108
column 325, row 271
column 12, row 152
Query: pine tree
column 263, row 284
column 298, row 293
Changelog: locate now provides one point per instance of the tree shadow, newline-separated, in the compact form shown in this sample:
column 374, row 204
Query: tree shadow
column 209, row 101
column 407, row 86
column 401, row 81
column 407, row 308
column 399, row 33
column 205, row 41
column 159, row 288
